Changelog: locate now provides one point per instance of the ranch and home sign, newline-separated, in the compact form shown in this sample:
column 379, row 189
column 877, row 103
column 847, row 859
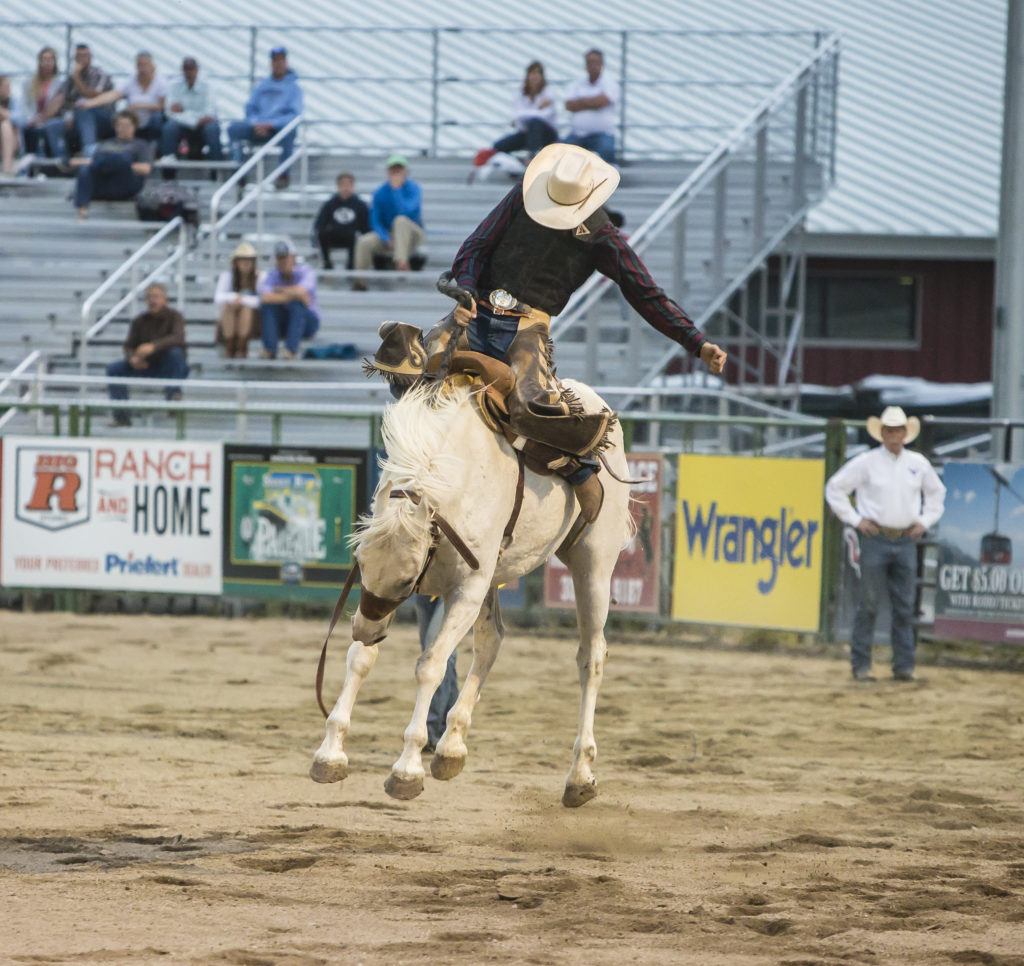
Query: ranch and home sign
column 100, row 514
column 748, row 542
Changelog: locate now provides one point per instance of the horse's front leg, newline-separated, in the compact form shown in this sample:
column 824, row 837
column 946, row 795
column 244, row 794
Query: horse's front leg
column 450, row 756
column 330, row 763
column 592, row 592
column 406, row 778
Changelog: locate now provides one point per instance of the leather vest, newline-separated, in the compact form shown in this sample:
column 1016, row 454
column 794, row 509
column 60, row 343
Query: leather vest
column 541, row 266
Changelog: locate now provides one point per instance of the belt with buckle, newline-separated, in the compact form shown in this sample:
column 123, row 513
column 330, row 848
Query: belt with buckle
column 892, row 532
column 501, row 302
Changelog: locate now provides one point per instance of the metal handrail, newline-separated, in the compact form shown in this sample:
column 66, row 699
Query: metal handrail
column 178, row 255
column 255, row 160
column 670, row 209
column 176, row 223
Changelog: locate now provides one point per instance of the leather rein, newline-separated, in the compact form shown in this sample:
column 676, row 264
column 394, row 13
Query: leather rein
column 374, row 607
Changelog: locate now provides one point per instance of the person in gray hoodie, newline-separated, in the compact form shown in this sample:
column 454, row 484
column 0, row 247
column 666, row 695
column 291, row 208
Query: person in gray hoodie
column 274, row 102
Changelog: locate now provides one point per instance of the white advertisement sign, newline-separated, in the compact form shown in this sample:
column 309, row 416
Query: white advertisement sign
column 111, row 515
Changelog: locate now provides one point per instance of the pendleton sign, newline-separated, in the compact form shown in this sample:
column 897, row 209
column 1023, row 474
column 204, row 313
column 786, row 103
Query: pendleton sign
column 748, row 541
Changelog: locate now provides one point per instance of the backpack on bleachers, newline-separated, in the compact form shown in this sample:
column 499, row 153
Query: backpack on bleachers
column 166, row 200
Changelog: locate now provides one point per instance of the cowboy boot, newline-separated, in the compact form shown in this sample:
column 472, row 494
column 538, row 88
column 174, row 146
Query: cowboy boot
column 538, row 408
column 400, row 359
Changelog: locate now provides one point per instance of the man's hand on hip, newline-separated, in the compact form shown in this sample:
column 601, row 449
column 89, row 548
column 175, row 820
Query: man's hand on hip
column 868, row 527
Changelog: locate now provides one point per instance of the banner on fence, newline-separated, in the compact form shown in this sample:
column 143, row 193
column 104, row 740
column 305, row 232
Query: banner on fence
column 111, row 515
column 979, row 590
column 289, row 512
column 635, row 578
column 748, row 541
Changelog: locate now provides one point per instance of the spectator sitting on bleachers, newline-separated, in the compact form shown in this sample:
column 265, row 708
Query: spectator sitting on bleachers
column 12, row 122
column 155, row 347
column 146, row 94
column 192, row 116
column 396, row 221
column 85, row 81
column 239, row 302
column 44, row 130
column 288, row 303
column 593, row 103
column 118, row 168
column 274, row 102
column 534, row 115
column 341, row 220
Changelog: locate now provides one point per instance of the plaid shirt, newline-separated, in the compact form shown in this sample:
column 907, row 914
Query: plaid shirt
column 612, row 257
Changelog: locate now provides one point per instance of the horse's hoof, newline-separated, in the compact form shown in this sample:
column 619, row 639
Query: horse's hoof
column 445, row 769
column 328, row 771
column 403, row 789
column 576, row 795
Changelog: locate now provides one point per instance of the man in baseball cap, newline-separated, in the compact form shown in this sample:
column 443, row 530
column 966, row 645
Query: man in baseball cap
column 288, row 304
column 898, row 496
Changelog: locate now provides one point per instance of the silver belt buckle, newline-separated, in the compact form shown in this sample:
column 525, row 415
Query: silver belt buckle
column 501, row 301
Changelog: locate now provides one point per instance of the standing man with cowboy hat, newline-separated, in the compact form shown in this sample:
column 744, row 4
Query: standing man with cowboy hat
column 520, row 266
column 898, row 497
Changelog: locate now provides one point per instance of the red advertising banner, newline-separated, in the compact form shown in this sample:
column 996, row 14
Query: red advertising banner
column 635, row 580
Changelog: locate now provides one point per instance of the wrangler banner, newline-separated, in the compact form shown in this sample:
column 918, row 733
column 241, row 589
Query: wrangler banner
column 979, row 590
column 111, row 515
column 748, row 541
column 635, row 583
column 289, row 514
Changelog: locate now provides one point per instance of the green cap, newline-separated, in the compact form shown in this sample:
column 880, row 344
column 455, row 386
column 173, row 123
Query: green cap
column 397, row 160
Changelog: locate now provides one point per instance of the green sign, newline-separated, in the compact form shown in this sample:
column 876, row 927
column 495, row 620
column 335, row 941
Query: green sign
column 289, row 513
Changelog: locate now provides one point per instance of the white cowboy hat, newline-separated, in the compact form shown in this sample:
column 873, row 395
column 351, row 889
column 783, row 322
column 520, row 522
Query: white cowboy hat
column 244, row 250
column 565, row 184
column 894, row 416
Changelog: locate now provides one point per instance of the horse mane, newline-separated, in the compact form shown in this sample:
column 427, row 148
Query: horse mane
column 415, row 431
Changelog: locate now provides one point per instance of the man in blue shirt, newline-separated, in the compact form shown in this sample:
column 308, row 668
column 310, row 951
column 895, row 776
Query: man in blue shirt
column 274, row 102
column 396, row 221
column 288, row 304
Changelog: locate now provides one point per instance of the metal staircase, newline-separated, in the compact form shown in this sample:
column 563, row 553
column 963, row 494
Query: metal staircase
column 713, row 235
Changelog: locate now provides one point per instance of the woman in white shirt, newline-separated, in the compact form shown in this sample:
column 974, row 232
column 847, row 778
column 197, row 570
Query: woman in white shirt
column 533, row 115
column 238, row 301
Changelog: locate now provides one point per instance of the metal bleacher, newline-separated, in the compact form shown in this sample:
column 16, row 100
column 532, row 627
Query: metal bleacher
column 702, row 226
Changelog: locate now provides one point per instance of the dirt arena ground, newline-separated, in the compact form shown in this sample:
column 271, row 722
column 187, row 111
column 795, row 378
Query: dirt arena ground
column 752, row 808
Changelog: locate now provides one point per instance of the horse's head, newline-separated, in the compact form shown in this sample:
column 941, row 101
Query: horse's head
column 393, row 548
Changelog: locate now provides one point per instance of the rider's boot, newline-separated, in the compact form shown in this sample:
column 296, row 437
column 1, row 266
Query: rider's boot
column 401, row 358
column 539, row 408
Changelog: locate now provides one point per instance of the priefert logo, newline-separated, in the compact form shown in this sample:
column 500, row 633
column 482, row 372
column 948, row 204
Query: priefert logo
column 141, row 565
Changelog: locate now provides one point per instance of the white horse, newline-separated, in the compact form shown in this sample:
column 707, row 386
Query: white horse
column 445, row 464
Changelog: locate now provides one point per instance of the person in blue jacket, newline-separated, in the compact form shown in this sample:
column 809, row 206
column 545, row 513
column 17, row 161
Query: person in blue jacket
column 396, row 221
column 274, row 102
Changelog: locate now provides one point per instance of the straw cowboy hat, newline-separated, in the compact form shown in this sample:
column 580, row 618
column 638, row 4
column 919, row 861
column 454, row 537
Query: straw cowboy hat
column 245, row 250
column 894, row 416
column 565, row 184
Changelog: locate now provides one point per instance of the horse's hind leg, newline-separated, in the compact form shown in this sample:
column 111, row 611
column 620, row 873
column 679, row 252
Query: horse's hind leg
column 330, row 763
column 450, row 757
column 592, row 586
column 406, row 778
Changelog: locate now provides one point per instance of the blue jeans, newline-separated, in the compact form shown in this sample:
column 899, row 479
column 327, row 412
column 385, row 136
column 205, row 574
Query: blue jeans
column 491, row 334
column 48, row 135
column 601, row 144
column 93, row 124
column 294, row 319
column 239, row 131
column 538, row 134
column 106, row 178
column 891, row 564
column 169, row 364
column 429, row 617
column 209, row 135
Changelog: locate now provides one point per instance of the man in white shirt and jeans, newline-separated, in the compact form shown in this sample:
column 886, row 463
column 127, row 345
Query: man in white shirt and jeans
column 593, row 104
column 898, row 497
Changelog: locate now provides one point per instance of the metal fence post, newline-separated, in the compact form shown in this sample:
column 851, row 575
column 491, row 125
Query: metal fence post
column 624, row 68
column 435, row 91
column 831, row 535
